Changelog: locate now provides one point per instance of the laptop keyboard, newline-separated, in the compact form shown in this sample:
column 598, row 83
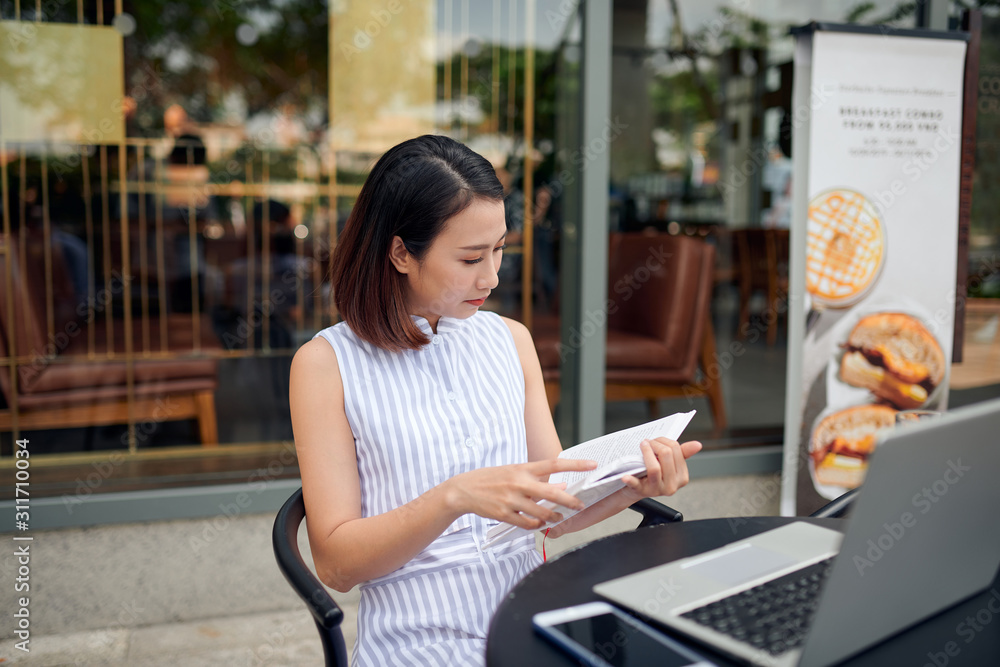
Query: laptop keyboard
column 773, row 616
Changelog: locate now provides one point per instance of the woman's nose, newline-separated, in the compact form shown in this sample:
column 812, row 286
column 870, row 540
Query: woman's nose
column 489, row 279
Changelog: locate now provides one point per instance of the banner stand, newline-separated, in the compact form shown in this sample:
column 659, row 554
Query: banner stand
column 877, row 140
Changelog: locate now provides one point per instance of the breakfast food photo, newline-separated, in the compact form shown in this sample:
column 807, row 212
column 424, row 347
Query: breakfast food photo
column 845, row 248
column 895, row 357
column 841, row 442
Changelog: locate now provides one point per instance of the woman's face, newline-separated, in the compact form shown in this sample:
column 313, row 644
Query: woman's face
column 460, row 268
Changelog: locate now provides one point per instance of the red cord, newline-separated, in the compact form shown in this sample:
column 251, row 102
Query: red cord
column 543, row 543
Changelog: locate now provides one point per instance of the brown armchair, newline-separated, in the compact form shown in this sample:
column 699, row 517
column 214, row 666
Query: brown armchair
column 660, row 342
column 72, row 376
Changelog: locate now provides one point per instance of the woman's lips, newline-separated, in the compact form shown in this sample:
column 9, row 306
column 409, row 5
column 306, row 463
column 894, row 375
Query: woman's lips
column 476, row 302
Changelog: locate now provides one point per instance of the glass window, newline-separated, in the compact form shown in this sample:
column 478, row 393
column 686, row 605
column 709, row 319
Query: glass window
column 165, row 255
column 165, row 245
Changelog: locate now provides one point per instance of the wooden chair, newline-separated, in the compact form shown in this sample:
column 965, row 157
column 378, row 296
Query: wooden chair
column 762, row 264
column 60, row 381
column 660, row 341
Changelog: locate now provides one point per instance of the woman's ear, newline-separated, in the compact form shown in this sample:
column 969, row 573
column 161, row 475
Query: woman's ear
column 400, row 256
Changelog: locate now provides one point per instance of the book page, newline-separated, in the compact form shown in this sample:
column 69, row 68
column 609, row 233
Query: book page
column 617, row 454
column 621, row 448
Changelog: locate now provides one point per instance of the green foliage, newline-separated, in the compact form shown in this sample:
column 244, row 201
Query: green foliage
column 287, row 64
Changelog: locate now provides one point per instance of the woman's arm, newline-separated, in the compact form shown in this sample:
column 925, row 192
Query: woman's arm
column 349, row 549
column 666, row 467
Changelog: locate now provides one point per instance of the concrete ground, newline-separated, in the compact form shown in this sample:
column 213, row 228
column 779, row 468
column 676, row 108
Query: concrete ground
column 286, row 635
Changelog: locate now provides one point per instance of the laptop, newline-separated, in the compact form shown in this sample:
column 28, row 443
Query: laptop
column 922, row 536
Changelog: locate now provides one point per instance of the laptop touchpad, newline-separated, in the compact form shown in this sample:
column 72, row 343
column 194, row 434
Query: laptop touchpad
column 739, row 565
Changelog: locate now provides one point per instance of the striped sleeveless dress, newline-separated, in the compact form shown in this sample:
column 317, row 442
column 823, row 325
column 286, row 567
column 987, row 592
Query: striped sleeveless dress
column 420, row 417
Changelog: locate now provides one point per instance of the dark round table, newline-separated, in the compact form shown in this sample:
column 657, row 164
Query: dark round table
column 946, row 639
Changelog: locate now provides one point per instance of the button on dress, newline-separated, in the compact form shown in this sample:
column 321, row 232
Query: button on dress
column 420, row 417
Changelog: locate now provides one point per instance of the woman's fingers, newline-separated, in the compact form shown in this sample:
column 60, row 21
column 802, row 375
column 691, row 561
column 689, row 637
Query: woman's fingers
column 549, row 466
column 555, row 494
column 690, row 448
column 666, row 467
column 654, row 469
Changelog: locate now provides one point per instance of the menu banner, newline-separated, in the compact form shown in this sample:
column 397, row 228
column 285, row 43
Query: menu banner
column 874, row 243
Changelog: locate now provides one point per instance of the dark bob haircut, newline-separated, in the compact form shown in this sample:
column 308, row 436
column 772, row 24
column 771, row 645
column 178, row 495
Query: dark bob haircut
column 411, row 192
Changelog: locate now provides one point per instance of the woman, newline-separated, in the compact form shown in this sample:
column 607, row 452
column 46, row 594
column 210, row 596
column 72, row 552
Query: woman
column 420, row 421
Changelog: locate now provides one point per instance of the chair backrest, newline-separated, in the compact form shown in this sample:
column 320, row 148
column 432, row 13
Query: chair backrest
column 325, row 611
column 661, row 287
column 751, row 257
column 32, row 292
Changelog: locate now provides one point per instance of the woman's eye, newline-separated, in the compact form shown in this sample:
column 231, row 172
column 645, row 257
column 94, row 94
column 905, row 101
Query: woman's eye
column 503, row 247
column 473, row 261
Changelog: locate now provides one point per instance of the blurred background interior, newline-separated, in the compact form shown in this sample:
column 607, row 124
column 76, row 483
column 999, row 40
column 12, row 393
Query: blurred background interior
column 175, row 174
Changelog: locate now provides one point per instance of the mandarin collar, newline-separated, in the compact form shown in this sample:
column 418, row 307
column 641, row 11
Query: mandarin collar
column 446, row 325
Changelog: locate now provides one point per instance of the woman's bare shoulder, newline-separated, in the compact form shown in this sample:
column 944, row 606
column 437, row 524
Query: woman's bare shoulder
column 518, row 331
column 316, row 359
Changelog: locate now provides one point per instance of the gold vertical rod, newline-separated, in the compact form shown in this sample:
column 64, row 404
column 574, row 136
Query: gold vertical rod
column 161, row 264
column 88, row 217
column 251, row 250
column 332, row 231
column 100, row 12
column 512, row 69
column 17, row 10
column 11, row 333
column 193, row 260
column 22, row 232
column 495, row 83
column 448, row 10
column 527, row 239
column 265, row 249
column 300, row 246
column 50, row 316
column 127, row 296
column 79, row 11
column 118, row 7
column 464, row 82
column 38, row 10
column 140, row 157
column 106, row 228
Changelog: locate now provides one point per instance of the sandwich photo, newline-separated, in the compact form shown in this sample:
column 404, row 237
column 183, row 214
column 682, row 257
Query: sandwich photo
column 895, row 357
column 842, row 442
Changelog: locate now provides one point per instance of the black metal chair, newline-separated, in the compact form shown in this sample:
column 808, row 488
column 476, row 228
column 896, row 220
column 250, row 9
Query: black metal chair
column 326, row 613
column 838, row 507
column 654, row 513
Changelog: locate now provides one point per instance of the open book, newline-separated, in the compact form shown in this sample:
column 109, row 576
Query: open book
column 617, row 454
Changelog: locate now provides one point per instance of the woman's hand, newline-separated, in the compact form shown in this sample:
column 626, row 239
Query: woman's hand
column 509, row 493
column 666, row 467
